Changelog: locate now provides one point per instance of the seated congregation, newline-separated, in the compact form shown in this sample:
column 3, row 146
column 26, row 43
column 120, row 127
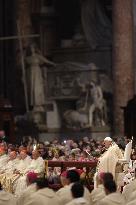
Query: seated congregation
column 25, row 178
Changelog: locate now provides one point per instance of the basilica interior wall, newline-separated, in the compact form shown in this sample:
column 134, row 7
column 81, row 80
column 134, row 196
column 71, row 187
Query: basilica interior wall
column 79, row 41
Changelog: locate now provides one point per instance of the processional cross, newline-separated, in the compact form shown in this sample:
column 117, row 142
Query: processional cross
column 20, row 37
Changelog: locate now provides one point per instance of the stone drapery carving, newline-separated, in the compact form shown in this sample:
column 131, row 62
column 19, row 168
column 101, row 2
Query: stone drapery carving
column 96, row 25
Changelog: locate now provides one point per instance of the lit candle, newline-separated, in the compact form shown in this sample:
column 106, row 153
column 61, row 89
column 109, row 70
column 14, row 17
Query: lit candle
column 34, row 147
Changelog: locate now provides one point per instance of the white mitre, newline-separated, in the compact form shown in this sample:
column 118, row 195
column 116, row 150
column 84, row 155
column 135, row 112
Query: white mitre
column 108, row 139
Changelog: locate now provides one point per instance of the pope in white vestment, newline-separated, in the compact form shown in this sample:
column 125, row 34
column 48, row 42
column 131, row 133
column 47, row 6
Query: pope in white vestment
column 108, row 161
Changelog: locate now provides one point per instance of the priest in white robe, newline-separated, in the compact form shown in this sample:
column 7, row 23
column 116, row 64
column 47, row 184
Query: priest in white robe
column 31, row 188
column 37, row 166
column 43, row 195
column 7, row 175
column 11, row 164
column 113, row 199
column 98, row 193
column 7, row 198
column 132, row 202
column 77, row 192
column 129, row 189
column 112, row 196
column 3, row 158
column 64, row 193
column 24, row 162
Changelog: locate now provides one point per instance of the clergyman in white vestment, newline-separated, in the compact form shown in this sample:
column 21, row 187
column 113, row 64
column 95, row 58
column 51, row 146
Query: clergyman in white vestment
column 37, row 166
column 112, row 196
column 108, row 161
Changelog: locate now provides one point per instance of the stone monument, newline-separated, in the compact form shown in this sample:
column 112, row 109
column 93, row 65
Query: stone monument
column 79, row 94
column 37, row 85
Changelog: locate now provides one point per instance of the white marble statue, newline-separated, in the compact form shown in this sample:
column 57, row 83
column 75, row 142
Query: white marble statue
column 37, row 92
column 93, row 111
column 97, row 110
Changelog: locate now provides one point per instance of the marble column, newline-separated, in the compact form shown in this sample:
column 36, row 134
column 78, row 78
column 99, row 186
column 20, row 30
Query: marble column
column 123, row 59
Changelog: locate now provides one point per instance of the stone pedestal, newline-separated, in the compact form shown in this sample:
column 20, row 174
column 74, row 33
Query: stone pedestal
column 99, row 133
column 52, row 117
column 123, row 59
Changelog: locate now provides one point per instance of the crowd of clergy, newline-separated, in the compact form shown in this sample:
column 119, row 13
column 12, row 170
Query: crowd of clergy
column 23, row 180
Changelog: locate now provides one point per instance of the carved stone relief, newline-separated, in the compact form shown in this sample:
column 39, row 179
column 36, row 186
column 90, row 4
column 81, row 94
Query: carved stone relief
column 73, row 81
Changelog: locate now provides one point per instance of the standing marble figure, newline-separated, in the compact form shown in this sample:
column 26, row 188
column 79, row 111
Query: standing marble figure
column 37, row 92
